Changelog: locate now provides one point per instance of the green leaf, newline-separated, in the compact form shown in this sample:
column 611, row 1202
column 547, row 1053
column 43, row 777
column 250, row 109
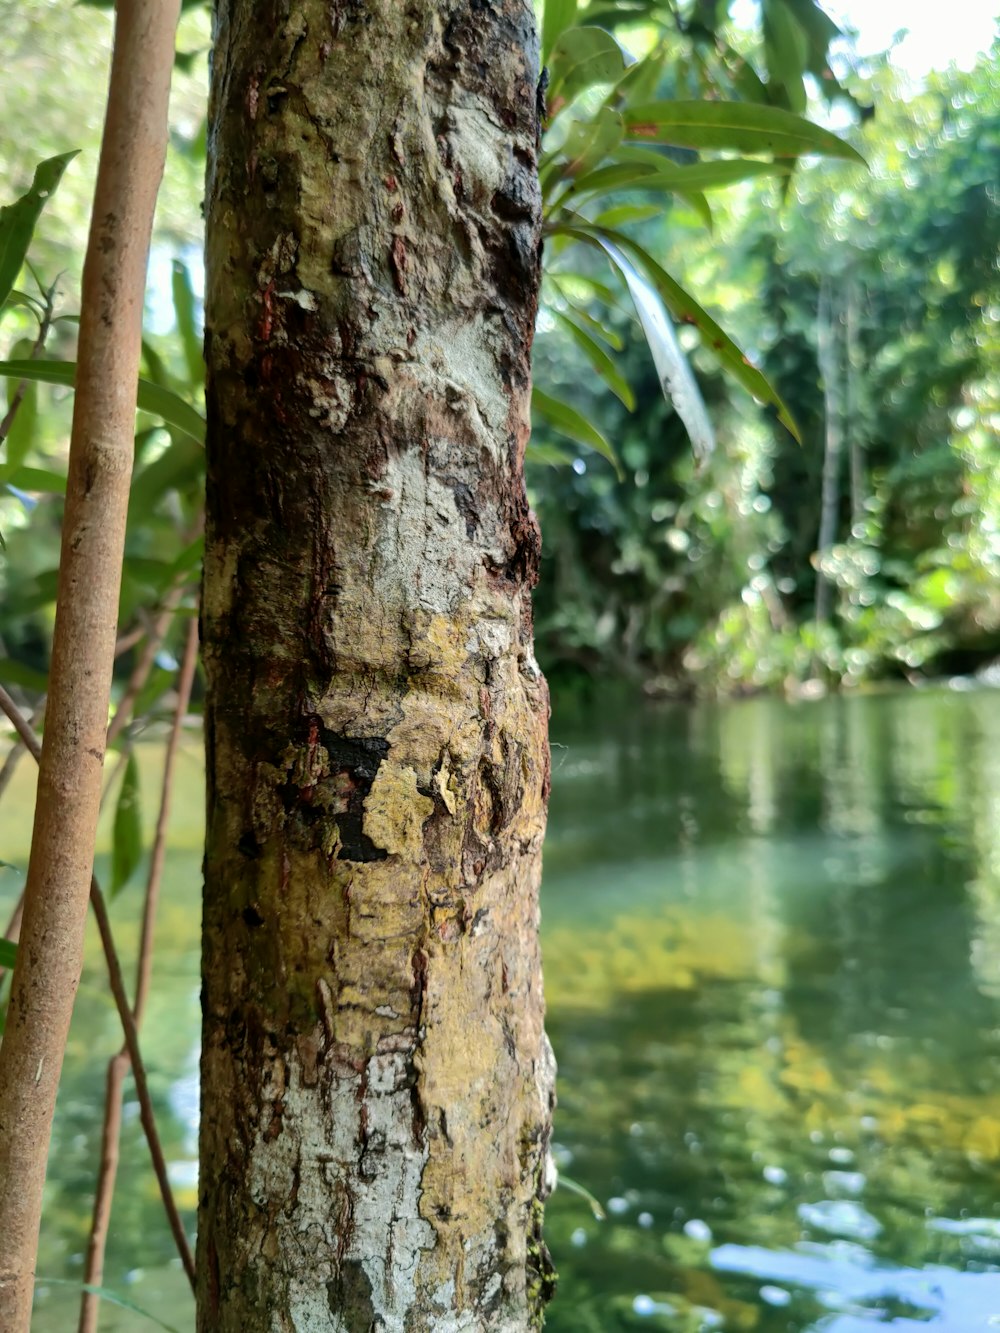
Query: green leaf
column 590, row 142
column 185, row 311
column 676, row 379
column 8, row 953
column 580, row 58
column 558, row 16
column 709, row 175
column 17, row 220
column 154, row 365
column 181, row 466
column 29, row 595
column 153, row 398
column 641, row 79
column 160, row 680
column 570, row 422
column 31, row 479
column 126, row 848
column 548, row 454
column 739, row 126
column 618, row 215
column 686, row 310
column 786, row 52
column 649, row 173
column 599, row 359
column 606, row 180
column 601, row 330
column 16, row 673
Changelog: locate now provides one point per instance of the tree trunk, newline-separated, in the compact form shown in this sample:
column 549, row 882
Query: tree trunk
column 827, row 338
column 377, row 1086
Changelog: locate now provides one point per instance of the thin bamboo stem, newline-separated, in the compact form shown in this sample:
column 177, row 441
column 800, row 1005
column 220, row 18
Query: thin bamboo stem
column 69, row 784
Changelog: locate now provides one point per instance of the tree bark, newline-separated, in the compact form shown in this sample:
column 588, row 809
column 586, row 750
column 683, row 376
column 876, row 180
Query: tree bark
column 93, row 534
column 377, row 1086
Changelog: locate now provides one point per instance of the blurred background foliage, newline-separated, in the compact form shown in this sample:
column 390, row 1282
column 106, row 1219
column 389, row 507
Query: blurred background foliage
column 870, row 300
column 872, row 303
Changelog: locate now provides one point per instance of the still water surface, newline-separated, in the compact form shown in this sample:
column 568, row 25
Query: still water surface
column 772, row 943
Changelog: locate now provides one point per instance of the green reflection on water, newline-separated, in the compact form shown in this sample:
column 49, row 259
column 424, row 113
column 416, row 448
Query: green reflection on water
column 772, row 943
column 772, row 961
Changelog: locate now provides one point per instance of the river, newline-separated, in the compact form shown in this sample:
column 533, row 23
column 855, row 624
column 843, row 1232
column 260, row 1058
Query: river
column 772, row 950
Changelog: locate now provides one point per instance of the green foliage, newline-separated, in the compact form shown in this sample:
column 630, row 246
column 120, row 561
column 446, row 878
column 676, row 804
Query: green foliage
column 18, row 220
column 126, row 846
column 155, row 398
column 606, row 113
column 724, row 599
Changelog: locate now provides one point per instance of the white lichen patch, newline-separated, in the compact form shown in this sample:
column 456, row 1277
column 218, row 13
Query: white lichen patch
column 395, row 810
column 354, row 1142
column 303, row 299
column 481, row 148
column 423, row 555
column 467, row 376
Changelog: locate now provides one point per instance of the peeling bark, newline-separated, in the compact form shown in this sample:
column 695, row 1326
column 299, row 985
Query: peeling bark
column 377, row 1086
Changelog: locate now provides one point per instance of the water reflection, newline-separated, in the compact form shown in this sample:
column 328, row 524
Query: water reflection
column 772, row 942
column 772, row 965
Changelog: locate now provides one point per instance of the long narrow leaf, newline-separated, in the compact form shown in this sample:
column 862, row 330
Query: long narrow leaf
column 187, row 323
column 599, row 359
column 710, row 175
column 685, row 309
column 21, row 435
column 126, row 847
column 676, row 378
column 31, row 479
column 105, row 1293
column 739, row 126
column 569, row 421
column 8, row 953
column 17, row 220
column 153, row 398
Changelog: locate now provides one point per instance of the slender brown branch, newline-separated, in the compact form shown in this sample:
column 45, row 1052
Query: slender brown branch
column 185, row 682
column 154, row 642
column 21, row 725
column 146, row 1114
column 118, row 1066
column 144, row 666
column 17, row 750
column 107, row 1172
column 47, row 974
column 14, row 755
column 129, row 639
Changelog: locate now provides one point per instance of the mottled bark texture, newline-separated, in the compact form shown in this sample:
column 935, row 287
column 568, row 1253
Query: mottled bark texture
column 377, row 1086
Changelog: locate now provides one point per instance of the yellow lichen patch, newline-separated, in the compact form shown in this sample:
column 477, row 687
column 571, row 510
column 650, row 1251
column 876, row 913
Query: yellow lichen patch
column 442, row 779
column 395, row 810
column 386, row 903
column 466, row 1070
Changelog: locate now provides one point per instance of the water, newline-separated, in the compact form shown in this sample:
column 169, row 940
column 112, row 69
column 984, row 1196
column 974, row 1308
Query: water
column 772, row 943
